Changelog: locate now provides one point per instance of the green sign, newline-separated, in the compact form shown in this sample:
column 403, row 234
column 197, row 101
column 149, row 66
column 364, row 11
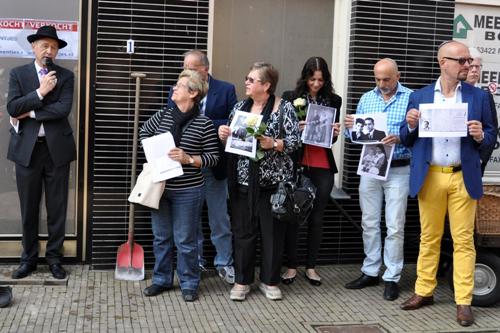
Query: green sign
column 460, row 27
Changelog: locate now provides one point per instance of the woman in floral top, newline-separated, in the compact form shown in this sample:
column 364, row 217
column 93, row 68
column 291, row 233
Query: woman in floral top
column 314, row 86
column 251, row 184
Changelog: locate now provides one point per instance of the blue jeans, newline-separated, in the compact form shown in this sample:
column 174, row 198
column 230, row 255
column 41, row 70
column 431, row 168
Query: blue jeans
column 176, row 222
column 218, row 220
column 371, row 195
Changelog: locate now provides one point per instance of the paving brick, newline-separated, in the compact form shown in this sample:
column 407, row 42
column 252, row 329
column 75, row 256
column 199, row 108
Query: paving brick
column 93, row 301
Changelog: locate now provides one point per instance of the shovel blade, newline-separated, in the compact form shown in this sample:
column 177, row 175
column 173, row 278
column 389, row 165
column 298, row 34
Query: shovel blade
column 130, row 262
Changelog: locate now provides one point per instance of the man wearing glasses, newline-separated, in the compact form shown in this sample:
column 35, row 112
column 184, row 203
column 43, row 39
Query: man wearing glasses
column 446, row 175
column 473, row 78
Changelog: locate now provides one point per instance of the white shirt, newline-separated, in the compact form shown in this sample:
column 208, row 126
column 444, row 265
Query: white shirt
column 446, row 151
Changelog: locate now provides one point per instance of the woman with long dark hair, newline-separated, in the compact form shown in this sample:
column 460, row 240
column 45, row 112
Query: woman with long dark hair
column 313, row 87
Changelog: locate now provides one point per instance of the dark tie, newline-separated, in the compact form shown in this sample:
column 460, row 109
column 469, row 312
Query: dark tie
column 43, row 71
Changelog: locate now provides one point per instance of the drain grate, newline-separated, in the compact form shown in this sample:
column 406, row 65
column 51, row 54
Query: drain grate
column 348, row 329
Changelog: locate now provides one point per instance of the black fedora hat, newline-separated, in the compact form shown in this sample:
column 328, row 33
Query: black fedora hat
column 47, row 31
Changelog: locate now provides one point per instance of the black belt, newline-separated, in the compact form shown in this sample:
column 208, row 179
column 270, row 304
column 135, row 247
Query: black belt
column 400, row 163
column 41, row 139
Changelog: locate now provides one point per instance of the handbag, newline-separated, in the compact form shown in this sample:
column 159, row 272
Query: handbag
column 293, row 200
column 145, row 192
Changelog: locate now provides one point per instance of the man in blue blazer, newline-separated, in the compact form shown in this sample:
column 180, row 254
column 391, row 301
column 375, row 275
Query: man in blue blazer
column 445, row 173
column 217, row 106
column 42, row 146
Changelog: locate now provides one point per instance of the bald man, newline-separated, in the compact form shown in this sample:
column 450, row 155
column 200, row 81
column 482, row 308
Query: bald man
column 446, row 176
column 391, row 97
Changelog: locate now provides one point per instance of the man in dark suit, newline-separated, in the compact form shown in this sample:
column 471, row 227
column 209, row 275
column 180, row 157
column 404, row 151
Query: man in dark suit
column 217, row 106
column 473, row 79
column 42, row 146
column 372, row 133
column 446, row 175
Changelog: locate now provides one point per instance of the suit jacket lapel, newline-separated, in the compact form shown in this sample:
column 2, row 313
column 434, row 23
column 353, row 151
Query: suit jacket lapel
column 211, row 95
column 467, row 97
column 34, row 77
column 428, row 97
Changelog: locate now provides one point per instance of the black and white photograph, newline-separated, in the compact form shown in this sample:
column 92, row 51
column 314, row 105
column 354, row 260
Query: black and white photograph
column 375, row 160
column 239, row 142
column 318, row 130
column 369, row 128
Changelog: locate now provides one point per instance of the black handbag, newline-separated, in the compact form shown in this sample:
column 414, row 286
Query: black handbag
column 293, row 200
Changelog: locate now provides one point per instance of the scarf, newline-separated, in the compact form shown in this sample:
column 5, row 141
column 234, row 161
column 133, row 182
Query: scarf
column 180, row 120
column 253, row 171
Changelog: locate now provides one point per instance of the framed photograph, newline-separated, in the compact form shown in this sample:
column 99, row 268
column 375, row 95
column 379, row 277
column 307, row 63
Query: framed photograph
column 318, row 130
column 375, row 161
column 369, row 128
column 239, row 142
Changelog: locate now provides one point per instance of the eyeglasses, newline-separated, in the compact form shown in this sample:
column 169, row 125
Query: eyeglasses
column 179, row 85
column 478, row 67
column 461, row 61
column 251, row 79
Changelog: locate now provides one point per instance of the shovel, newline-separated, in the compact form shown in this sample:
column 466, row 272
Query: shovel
column 130, row 256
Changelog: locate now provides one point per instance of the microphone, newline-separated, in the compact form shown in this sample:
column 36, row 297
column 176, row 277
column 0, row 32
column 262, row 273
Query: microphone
column 48, row 63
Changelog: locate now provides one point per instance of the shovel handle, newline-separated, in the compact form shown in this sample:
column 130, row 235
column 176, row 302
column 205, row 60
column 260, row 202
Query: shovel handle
column 131, row 212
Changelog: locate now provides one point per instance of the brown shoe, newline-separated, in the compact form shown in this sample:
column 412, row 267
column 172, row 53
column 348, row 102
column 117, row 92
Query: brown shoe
column 416, row 302
column 464, row 315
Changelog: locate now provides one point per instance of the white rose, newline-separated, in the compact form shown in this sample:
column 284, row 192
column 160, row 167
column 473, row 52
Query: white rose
column 299, row 102
column 251, row 121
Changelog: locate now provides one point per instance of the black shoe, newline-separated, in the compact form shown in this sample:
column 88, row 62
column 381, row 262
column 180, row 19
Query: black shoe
column 363, row 281
column 5, row 296
column 23, row 271
column 57, row 271
column 391, row 291
column 288, row 280
column 189, row 295
column 314, row 282
column 154, row 290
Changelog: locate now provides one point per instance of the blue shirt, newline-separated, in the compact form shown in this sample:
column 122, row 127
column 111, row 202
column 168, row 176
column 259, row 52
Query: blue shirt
column 373, row 102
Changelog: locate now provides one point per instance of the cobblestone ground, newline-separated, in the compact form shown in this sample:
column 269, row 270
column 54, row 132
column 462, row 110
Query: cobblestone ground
column 93, row 301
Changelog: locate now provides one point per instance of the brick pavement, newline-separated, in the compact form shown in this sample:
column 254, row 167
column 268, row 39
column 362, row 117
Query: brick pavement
column 93, row 301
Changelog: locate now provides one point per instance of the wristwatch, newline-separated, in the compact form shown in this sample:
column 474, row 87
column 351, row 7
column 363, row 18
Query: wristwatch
column 275, row 145
column 191, row 160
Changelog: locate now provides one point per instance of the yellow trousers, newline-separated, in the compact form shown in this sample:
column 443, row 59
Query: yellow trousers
column 441, row 193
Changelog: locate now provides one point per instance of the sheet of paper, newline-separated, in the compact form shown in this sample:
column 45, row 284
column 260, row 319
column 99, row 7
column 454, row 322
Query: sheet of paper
column 442, row 120
column 369, row 128
column 156, row 149
column 239, row 142
column 318, row 130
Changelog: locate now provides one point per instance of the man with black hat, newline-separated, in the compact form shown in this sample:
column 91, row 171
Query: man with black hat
column 42, row 146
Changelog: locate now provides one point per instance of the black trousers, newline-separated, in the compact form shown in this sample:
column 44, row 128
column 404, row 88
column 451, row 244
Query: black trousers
column 42, row 174
column 246, row 231
column 323, row 180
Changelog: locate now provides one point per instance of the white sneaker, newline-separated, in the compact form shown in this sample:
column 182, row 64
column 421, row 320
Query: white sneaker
column 271, row 292
column 239, row 292
column 226, row 273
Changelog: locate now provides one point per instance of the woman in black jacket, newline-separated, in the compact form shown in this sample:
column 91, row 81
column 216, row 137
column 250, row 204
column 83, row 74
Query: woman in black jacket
column 313, row 87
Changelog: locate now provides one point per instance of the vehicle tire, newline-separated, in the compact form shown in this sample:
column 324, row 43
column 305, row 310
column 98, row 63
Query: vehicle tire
column 486, row 279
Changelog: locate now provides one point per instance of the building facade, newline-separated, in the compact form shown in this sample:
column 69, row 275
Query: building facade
column 351, row 35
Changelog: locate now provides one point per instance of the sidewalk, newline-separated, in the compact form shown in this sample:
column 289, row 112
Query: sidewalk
column 93, row 301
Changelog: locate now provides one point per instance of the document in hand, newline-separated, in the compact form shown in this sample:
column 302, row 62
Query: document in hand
column 442, row 120
column 156, row 149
